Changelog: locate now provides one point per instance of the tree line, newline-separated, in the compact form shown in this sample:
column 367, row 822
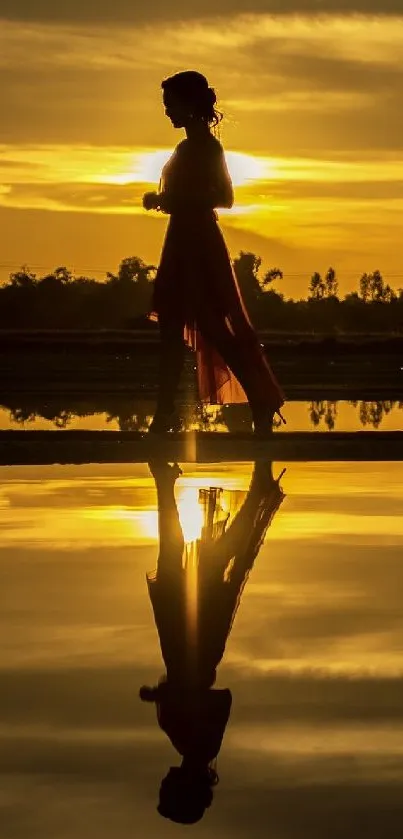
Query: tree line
column 60, row 300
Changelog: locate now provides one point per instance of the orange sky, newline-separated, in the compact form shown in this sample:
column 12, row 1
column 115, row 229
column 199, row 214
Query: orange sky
column 313, row 130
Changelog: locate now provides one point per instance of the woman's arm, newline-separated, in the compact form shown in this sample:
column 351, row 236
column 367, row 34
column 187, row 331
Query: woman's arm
column 224, row 188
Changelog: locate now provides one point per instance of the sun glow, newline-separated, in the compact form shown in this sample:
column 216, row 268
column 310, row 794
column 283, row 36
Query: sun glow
column 145, row 522
column 243, row 168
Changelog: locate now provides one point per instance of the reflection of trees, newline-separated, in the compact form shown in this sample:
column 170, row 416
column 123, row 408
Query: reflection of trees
column 23, row 415
column 61, row 420
column 135, row 414
column 59, row 414
column 238, row 418
column 129, row 421
column 208, row 420
column 323, row 410
column 372, row 413
column 369, row 412
column 130, row 416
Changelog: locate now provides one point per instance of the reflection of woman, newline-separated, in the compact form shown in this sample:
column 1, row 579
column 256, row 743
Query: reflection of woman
column 195, row 593
column 196, row 295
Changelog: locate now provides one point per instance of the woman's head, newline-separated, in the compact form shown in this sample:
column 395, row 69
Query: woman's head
column 185, row 795
column 187, row 97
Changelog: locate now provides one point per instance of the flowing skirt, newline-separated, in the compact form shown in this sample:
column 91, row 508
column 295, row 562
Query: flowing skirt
column 196, row 287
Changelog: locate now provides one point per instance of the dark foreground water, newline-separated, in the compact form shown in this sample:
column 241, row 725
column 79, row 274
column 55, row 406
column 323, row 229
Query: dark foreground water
column 314, row 662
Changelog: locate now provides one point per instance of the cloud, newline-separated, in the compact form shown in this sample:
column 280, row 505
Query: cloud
column 342, row 191
column 106, row 699
column 127, row 198
column 300, row 85
column 93, row 243
column 126, row 11
column 113, row 180
column 297, row 754
column 94, row 198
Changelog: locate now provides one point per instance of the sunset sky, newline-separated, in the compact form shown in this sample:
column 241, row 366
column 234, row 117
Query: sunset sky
column 312, row 92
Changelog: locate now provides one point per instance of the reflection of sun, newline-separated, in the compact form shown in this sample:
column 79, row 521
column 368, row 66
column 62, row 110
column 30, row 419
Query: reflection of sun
column 190, row 516
column 190, row 513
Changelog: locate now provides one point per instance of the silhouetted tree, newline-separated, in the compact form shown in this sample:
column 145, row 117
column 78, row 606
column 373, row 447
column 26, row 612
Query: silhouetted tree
column 365, row 283
column 246, row 267
column 63, row 274
column 316, row 287
column 59, row 300
column 377, row 287
column 128, row 292
column 132, row 270
column 24, row 278
column 388, row 294
column 373, row 289
column 352, row 298
column 331, row 283
column 271, row 275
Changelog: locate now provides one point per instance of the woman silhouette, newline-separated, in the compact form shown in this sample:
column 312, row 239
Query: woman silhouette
column 196, row 295
column 195, row 593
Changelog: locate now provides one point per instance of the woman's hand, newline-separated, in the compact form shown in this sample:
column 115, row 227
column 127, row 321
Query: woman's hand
column 151, row 201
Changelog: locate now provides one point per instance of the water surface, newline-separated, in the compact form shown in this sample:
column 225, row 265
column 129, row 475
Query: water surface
column 314, row 745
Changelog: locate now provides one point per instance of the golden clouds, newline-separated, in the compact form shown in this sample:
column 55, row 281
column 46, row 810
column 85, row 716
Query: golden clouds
column 107, row 85
column 313, row 129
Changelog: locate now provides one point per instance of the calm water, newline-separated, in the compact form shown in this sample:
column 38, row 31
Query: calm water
column 134, row 415
column 314, row 743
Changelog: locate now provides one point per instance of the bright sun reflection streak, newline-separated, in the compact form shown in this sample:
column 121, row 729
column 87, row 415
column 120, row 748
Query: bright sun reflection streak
column 190, row 513
column 145, row 522
column 191, row 602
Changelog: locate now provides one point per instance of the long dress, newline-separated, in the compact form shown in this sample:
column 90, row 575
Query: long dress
column 196, row 286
